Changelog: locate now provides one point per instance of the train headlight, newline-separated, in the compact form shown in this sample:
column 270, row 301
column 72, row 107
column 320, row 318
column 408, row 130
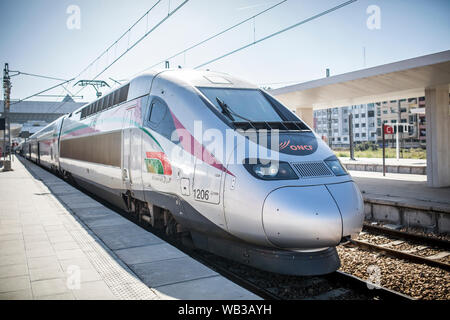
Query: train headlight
column 273, row 170
column 335, row 165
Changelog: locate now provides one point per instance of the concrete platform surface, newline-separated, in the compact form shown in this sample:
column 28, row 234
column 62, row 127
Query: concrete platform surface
column 389, row 161
column 58, row 243
column 405, row 199
column 407, row 166
column 402, row 187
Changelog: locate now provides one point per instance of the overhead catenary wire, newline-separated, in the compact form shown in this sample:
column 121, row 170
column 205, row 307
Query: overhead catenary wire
column 277, row 33
column 35, row 75
column 39, row 76
column 99, row 57
column 64, row 87
column 143, row 37
column 40, row 92
column 120, row 38
column 107, row 50
column 211, row 37
column 170, row 14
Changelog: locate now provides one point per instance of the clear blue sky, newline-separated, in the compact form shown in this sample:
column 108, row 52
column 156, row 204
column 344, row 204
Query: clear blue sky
column 35, row 38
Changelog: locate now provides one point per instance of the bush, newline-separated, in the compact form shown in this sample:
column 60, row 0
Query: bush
column 364, row 146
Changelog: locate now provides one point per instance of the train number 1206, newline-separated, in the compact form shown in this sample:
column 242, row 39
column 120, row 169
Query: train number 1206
column 201, row 194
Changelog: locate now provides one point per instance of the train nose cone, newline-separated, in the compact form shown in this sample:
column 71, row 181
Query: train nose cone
column 302, row 217
column 351, row 206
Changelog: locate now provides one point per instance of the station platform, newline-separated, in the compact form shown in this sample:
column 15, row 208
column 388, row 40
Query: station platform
column 411, row 166
column 58, row 243
column 404, row 199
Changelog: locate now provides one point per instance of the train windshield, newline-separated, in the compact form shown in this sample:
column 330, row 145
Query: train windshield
column 242, row 104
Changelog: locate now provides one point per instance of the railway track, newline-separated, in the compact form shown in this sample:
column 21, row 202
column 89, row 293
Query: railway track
column 424, row 239
column 404, row 245
column 335, row 286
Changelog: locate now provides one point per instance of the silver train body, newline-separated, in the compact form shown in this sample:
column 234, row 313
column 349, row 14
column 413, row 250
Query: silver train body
column 122, row 148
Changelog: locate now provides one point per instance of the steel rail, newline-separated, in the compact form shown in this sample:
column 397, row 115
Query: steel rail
column 402, row 254
column 432, row 241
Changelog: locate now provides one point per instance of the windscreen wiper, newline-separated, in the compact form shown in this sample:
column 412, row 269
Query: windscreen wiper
column 225, row 109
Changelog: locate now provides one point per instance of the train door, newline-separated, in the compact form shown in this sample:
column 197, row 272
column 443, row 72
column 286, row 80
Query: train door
column 38, row 155
column 206, row 188
column 126, row 150
column 58, row 132
column 207, row 181
column 136, row 159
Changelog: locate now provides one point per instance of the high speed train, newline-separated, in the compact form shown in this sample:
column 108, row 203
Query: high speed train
column 159, row 147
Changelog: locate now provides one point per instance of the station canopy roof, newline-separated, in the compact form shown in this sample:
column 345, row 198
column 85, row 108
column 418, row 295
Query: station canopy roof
column 49, row 107
column 393, row 81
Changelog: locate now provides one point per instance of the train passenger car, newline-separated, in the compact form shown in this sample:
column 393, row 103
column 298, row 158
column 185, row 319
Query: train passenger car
column 45, row 145
column 156, row 147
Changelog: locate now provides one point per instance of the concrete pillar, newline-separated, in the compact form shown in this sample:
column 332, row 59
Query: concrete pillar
column 307, row 115
column 437, row 114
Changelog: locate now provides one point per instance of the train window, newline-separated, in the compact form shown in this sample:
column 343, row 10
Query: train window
column 157, row 112
column 105, row 104
column 116, row 97
column 242, row 104
column 123, row 93
column 160, row 118
column 110, row 99
column 107, row 101
column 102, row 104
column 104, row 101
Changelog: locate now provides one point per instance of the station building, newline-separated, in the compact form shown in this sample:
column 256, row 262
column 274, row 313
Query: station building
column 30, row 116
column 47, row 111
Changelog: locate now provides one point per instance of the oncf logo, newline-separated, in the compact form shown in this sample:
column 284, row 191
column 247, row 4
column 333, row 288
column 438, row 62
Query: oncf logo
column 297, row 144
column 301, row 147
column 293, row 147
column 284, row 144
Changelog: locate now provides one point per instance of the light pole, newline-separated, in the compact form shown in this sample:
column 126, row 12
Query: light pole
column 350, row 135
column 397, row 145
column 6, row 104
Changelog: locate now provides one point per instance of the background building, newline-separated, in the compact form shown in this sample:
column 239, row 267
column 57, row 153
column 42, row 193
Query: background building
column 410, row 114
column 46, row 111
column 333, row 124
